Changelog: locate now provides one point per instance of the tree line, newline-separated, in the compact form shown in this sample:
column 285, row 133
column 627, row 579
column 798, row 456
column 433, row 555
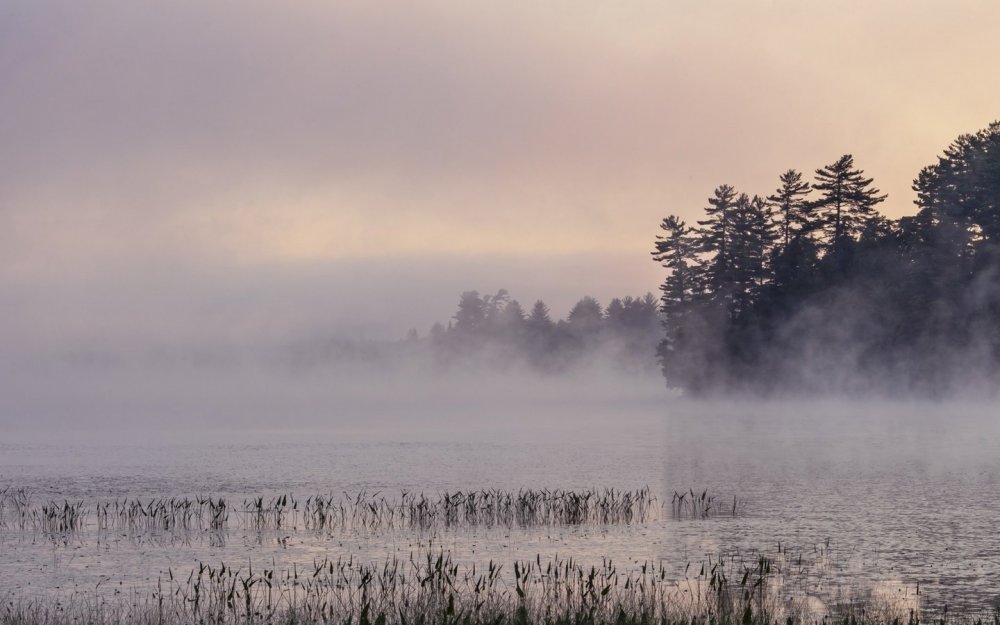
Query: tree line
column 496, row 330
column 811, row 288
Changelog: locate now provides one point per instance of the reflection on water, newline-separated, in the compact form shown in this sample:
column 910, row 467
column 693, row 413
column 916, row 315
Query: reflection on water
column 860, row 503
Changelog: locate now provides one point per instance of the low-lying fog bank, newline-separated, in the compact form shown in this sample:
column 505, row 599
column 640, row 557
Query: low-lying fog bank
column 227, row 389
column 178, row 395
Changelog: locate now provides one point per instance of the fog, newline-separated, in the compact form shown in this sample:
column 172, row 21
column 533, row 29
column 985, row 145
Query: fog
column 189, row 394
column 182, row 303
column 213, row 187
column 254, row 253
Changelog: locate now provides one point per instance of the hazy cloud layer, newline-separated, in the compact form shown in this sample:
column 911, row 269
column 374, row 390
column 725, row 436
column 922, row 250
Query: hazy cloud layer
column 233, row 139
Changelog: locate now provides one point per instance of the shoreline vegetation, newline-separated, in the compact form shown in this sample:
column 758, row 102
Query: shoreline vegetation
column 811, row 290
column 806, row 291
column 431, row 587
column 364, row 511
column 784, row 586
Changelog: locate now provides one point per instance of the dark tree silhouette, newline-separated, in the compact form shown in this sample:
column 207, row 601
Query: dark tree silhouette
column 471, row 316
column 790, row 293
column 847, row 199
column 494, row 331
column 586, row 315
column 754, row 302
column 793, row 209
column 539, row 318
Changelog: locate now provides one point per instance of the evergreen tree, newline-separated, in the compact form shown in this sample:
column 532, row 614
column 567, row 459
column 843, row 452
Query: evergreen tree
column 586, row 315
column 960, row 194
column 614, row 315
column 512, row 314
column 715, row 239
column 470, row 319
column 539, row 318
column 793, row 269
column 791, row 205
column 676, row 250
column 741, row 252
column 753, row 236
column 760, row 245
column 847, row 200
column 680, row 350
column 493, row 307
column 539, row 336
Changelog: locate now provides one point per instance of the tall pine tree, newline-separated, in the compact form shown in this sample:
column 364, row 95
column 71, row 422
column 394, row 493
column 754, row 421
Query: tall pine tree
column 847, row 199
column 716, row 237
column 789, row 200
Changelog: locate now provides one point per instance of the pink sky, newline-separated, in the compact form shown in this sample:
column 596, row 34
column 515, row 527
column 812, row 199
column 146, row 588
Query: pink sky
column 467, row 142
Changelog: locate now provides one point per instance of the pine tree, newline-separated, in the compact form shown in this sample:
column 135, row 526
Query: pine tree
column 470, row 319
column 539, row 318
column 753, row 235
column 789, row 200
column 848, row 200
column 615, row 315
column 586, row 316
column 677, row 251
column 961, row 192
column 715, row 239
column 763, row 234
column 493, row 307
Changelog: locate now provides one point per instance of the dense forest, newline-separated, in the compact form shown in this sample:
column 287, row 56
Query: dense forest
column 811, row 289
column 496, row 330
column 494, row 333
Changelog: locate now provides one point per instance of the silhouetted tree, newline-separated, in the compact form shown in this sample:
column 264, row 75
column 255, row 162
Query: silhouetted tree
column 586, row 315
column 512, row 314
column 753, row 235
column 614, row 314
column 493, row 307
column 847, row 199
column 715, row 238
column 471, row 316
column 539, row 318
column 793, row 209
column 677, row 250
column 752, row 302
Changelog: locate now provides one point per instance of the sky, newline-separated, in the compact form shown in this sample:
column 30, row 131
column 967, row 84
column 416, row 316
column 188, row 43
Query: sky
column 185, row 169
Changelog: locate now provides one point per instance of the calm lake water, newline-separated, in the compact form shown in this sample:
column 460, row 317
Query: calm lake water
column 856, row 499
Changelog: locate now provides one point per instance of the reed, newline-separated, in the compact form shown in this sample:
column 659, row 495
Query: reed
column 15, row 507
column 686, row 505
column 430, row 587
column 162, row 514
column 489, row 508
column 362, row 511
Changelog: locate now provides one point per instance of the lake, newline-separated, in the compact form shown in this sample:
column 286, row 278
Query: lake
column 894, row 501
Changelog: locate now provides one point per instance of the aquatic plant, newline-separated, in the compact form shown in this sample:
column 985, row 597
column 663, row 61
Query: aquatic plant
column 362, row 511
column 431, row 587
column 427, row 588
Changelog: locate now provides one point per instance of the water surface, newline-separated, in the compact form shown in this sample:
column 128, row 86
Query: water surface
column 852, row 499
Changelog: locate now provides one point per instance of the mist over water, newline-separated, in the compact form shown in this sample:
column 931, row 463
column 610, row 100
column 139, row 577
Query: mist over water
column 290, row 285
column 891, row 494
column 855, row 496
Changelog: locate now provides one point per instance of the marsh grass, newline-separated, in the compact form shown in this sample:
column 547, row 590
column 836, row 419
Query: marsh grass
column 363, row 511
column 163, row 514
column 691, row 505
column 489, row 508
column 431, row 587
column 427, row 588
column 15, row 507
